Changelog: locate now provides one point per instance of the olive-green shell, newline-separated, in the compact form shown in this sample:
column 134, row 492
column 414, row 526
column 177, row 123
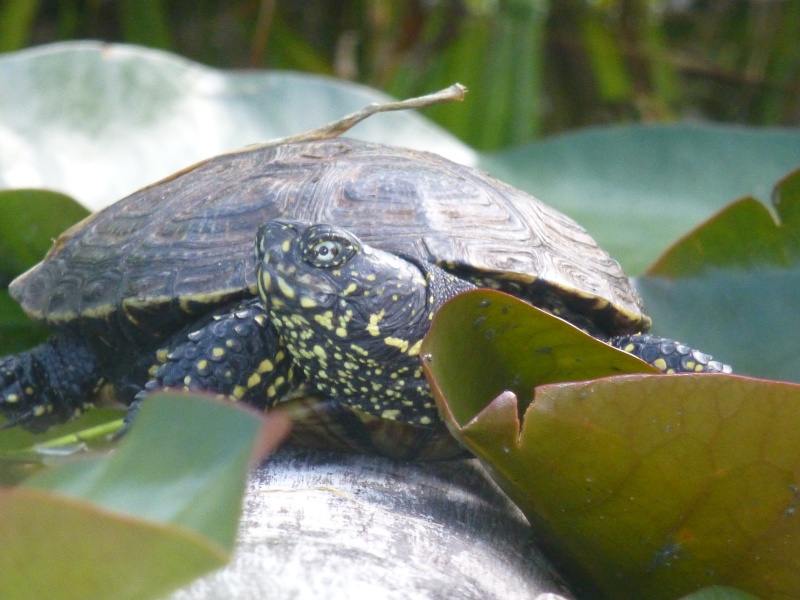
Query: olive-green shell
column 185, row 244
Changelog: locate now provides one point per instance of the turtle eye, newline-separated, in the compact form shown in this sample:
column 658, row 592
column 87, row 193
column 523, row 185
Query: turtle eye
column 329, row 252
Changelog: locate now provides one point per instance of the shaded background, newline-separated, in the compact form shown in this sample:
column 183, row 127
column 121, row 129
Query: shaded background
column 533, row 67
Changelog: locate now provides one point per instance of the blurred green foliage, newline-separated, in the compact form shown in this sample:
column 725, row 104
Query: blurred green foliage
column 533, row 66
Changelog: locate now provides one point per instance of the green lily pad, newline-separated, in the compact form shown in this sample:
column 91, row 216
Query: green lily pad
column 17, row 331
column 732, row 286
column 30, row 221
column 157, row 512
column 743, row 236
column 514, row 346
column 645, row 486
column 110, row 556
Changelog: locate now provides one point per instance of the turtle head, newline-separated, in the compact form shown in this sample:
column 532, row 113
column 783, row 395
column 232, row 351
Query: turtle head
column 307, row 268
column 352, row 316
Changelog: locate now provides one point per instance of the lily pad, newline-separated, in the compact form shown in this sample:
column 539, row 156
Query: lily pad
column 17, row 331
column 514, row 346
column 110, row 556
column 650, row 485
column 159, row 511
column 31, row 219
column 733, row 285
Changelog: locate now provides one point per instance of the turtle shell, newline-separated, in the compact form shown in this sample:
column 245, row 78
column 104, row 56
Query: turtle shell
column 149, row 263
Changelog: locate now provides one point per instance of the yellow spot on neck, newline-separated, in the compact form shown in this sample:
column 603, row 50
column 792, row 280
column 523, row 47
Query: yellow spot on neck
column 374, row 319
column 414, row 350
column 359, row 349
column 325, row 319
column 397, row 343
column 307, row 302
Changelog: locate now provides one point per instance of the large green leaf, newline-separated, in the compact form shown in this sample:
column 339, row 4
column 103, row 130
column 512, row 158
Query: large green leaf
column 60, row 547
column 514, row 346
column 17, row 331
column 31, row 220
column 733, row 285
column 638, row 486
column 160, row 510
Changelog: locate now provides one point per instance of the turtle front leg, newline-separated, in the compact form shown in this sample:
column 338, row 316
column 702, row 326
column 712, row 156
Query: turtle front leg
column 49, row 384
column 236, row 355
column 668, row 356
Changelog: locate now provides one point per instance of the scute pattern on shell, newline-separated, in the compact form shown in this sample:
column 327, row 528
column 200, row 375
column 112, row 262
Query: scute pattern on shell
column 187, row 241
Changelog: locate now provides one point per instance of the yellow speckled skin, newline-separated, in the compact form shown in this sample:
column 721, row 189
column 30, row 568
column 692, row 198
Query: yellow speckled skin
column 352, row 316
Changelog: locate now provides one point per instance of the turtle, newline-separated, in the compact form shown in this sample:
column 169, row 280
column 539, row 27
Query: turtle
column 210, row 280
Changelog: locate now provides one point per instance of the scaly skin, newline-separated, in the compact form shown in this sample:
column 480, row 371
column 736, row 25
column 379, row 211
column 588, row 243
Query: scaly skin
column 48, row 384
column 236, row 355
